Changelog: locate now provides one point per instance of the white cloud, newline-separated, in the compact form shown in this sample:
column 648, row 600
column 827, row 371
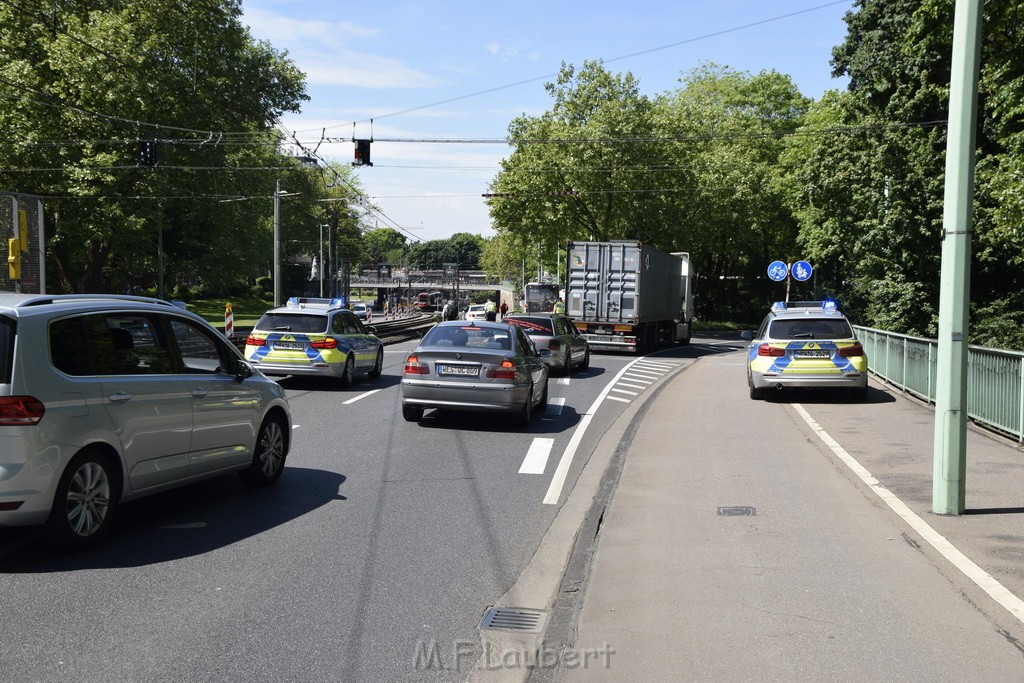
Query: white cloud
column 325, row 52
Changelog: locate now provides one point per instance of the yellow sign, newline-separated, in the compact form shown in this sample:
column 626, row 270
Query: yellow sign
column 14, row 258
column 23, row 229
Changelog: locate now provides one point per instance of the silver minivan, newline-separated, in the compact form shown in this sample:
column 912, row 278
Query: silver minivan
column 106, row 398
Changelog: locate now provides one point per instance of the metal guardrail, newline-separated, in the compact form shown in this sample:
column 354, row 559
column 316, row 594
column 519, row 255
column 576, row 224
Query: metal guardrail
column 995, row 377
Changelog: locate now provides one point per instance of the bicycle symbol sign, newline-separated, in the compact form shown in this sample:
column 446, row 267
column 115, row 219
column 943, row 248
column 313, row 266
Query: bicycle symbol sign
column 778, row 270
column 802, row 271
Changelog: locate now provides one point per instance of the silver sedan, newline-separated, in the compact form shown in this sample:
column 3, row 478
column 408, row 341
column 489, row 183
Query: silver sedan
column 475, row 366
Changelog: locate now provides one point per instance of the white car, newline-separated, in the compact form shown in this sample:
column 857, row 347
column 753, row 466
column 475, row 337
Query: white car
column 476, row 312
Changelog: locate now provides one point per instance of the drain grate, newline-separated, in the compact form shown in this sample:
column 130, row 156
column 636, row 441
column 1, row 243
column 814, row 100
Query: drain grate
column 517, row 619
column 737, row 511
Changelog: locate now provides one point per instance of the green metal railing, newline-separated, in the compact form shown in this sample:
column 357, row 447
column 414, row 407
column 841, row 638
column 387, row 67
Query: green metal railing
column 995, row 378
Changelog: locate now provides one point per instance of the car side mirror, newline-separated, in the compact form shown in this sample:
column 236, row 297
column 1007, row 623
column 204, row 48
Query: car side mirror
column 747, row 335
column 371, row 329
column 245, row 370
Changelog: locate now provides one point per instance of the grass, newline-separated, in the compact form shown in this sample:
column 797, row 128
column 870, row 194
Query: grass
column 245, row 310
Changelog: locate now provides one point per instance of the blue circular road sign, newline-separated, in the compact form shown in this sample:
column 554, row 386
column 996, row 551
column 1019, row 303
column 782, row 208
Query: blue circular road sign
column 802, row 271
column 778, row 271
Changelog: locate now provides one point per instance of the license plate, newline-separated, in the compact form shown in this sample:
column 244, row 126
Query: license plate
column 297, row 346
column 813, row 353
column 458, row 370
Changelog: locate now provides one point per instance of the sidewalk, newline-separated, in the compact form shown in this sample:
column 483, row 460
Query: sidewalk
column 738, row 546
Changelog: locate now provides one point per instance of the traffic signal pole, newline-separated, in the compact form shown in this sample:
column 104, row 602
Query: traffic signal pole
column 950, row 446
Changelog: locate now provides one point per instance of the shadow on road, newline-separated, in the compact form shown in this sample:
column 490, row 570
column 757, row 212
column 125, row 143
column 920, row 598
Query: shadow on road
column 185, row 522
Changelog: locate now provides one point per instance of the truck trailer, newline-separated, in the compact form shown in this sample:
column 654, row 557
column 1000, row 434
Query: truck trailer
column 626, row 296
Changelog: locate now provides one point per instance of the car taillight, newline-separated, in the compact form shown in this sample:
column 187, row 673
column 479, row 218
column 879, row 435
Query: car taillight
column 554, row 344
column 21, row 410
column 507, row 370
column 413, row 366
column 769, row 350
column 329, row 343
column 253, row 340
column 855, row 350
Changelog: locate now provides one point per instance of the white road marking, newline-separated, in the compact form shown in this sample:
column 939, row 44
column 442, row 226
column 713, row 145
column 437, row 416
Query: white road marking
column 555, row 405
column 562, row 471
column 624, row 391
column 645, row 373
column 563, row 380
column 616, row 398
column 633, row 386
column 537, row 457
column 979, row 576
column 659, row 366
column 360, row 397
column 633, row 378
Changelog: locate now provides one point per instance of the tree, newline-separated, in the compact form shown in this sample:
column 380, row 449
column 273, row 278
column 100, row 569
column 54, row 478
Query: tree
column 88, row 82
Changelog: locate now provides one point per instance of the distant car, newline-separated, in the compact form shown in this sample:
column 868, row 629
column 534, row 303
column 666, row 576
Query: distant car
column 474, row 366
column 362, row 311
column 560, row 344
column 806, row 345
column 106, row 398
column 314, row 338
column 476, row 312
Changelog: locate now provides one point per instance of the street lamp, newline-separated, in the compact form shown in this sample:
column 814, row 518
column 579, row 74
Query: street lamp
column 278, row 193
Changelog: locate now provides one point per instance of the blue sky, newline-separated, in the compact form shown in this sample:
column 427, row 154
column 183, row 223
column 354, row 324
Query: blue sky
column 487, row 63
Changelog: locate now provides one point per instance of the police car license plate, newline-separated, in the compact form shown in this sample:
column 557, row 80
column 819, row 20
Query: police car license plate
column 813, row 353
column 458, row 370
column 298, row 346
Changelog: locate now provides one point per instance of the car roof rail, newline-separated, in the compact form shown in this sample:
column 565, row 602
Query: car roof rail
column 45, row 299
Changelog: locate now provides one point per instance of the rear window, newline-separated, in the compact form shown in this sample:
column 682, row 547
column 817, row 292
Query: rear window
column 292, row 322
column 532, row 325
column 7, row 328
column 470, row 337
column 810, row 328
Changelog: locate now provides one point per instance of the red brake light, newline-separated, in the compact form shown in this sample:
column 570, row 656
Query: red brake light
column 21, row 410
column 413, row 366
column 506, row 370
column 855, row 350
column 769, row 350
column 554, row 344
column 253, row 340
column 329, row 343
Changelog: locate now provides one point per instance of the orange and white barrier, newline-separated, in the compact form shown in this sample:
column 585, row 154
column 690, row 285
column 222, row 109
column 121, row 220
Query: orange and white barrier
column 229, row 321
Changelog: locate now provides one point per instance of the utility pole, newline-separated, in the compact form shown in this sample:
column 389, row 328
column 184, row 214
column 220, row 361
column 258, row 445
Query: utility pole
column 950, row 452
column 277, row 245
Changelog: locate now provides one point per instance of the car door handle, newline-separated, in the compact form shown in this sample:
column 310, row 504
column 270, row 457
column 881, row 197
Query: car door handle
column 199, row 393
column 120, row 397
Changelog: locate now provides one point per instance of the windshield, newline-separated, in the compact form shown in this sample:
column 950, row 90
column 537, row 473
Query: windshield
column 468, row 336
column 532, row 325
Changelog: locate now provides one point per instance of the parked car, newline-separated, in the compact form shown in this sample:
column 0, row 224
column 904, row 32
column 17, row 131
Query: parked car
column 474, row 366
column 107, row 398
column 314, row 338
column 363, row 312
column 476, row 312
column 560, row 344
column 807, row 345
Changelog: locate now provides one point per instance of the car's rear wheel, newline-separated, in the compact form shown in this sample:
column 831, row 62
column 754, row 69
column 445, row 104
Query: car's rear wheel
column 84, row 504
column 412, row 413
column 348, row 375
column 586, row 361
column 755, row 393
column 527, row 412
column 567, row 365
column 378, row 366
column 543, row 405
column 268, row 458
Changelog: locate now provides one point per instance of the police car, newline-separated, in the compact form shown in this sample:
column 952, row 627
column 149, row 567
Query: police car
column 807, row 345
column 314, row 338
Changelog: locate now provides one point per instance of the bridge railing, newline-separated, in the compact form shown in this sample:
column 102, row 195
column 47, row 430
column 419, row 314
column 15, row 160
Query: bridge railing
column 995, row 377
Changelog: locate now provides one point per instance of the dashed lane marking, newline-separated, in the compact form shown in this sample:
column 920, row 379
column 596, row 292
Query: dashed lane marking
column 537, row 457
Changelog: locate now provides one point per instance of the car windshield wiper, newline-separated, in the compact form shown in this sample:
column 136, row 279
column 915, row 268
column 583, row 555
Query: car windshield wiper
column 802, row 335
column 284, row 328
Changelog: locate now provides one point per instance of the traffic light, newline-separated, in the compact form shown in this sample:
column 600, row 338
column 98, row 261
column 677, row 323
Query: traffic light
column 362, row 153
column 14, row 258
column 147, row 152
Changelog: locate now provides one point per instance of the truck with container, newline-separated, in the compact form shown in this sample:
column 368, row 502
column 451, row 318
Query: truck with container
column 626, row 296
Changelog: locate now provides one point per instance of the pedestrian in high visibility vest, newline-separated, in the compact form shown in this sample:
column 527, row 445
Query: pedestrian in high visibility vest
column 491, row 310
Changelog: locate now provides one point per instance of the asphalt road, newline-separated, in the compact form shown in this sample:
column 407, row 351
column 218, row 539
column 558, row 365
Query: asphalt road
column 383, row 542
